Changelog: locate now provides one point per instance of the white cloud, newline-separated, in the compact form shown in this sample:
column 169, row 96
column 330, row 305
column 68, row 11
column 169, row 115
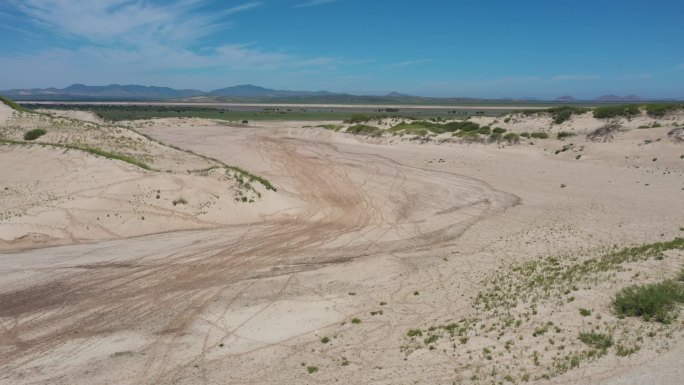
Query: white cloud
column 137, row 41
column 126, row 21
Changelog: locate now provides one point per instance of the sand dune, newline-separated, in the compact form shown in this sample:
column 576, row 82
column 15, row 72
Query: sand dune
column 365, row 240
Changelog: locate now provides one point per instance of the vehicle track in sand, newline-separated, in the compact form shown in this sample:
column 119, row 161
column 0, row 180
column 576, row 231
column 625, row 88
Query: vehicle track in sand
column 357, row 205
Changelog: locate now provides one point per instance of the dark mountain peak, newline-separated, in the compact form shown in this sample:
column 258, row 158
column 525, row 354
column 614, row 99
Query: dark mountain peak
column 252, row 91
column 394, row 94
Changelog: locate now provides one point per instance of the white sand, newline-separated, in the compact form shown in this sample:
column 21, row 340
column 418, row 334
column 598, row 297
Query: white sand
column 355, row 222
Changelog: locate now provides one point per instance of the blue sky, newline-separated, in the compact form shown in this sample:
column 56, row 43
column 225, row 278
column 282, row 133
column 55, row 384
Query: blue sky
column 471, row 48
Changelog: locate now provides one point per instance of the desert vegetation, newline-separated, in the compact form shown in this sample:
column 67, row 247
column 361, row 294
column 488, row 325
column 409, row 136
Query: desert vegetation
column 526, row 315
column 617, row 111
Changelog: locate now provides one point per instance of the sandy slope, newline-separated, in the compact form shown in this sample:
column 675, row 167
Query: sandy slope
column 416, row 227
column 5, row 113
column 52, row 196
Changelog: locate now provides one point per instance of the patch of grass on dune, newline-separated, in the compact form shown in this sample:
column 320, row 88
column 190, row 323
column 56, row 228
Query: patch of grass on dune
column 11, row 103
column 558, row 114
column 362, row 129
column 88, row 149
column 624, row 111
column 434, row 127
column 331, row 127
column 661, row 109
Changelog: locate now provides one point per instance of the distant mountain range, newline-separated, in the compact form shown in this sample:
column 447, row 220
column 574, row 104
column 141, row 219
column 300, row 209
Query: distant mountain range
column 248, row 92
column 604, row 98
column 240, row 93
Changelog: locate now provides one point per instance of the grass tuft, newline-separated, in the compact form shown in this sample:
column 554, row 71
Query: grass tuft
column 656, row 301
column 597, row 340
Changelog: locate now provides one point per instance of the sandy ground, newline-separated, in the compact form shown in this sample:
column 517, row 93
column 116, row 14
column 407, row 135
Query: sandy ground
column 363, row 225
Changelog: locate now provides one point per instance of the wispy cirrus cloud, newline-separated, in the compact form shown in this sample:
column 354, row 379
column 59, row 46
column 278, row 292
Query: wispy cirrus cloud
column 313, row 3
column 127, row 21
column 132, row 40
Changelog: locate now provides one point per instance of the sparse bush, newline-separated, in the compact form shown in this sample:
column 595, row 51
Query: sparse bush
column 485, row 130
column 34, row 134
column 623, row 351
column 565, row 134
column 512, row 137
column 180, row 201
column 414, row 333
column 584, row 312
column 312, row 369
column 657, row 301
column 604, row 134
column 495, row 137
column 498, row 130
column 325, row 340
column 564, row 113
column 355, row 321
column 539, row 135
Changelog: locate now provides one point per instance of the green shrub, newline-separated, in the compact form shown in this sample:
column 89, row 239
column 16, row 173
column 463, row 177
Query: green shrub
column 484, row 130
column 34, row 134
column 498, row 130
column 597, row 340
column 512, row 137
column 461, row 126
column 626, row 111
column 584, row 312
column 565, row 134
column 539, row 135
column 414, row 333
column 657, row 301
column 325, row 340
column 312, row 369
column 562, row 114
